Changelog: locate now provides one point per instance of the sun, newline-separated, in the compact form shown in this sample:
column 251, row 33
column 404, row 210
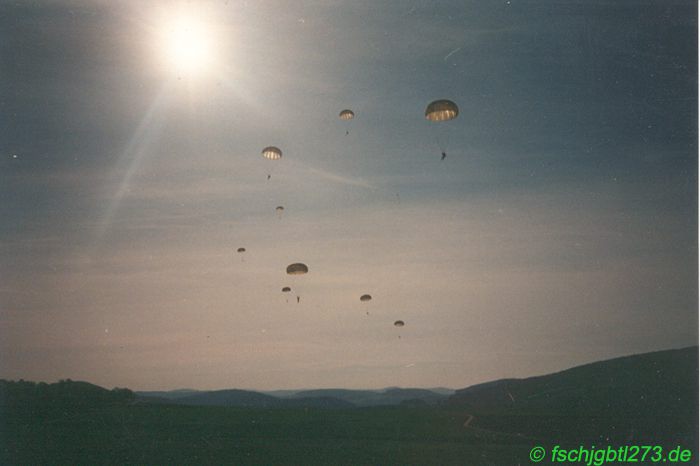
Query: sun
column 187, row 46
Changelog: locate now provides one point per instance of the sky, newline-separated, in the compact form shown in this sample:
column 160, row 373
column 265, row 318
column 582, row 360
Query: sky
column 560, row 229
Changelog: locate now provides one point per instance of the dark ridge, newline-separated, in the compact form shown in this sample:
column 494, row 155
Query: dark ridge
column 170, row 394
column 387, row 397
column 241, row 398
column 62, row 394
column 642, row 397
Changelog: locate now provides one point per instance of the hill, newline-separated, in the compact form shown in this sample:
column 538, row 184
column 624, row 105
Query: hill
column 68, row 394
column 168, row 395
column 648, row 399
column 242, row 399
column 326, row 398
column 364, row 398
column 641, row 397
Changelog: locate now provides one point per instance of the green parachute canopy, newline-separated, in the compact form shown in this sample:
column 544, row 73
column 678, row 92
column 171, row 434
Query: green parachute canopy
column 441, row 110
column 297, row 269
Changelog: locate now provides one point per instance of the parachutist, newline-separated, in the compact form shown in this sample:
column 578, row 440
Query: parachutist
column 271, row 153
column 441, row 111
column 298, row 299
column 346, row 114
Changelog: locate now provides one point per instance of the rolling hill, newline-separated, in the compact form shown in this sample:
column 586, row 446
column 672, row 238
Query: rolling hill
column 386, row 397
column 242, row 399
column 647, row 399
column 327, row 398
column 641, row 397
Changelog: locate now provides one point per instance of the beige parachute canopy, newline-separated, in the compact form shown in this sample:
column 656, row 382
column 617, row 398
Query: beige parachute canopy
column 441, row 110
column 365, row 297
column 286, row 289
column 399, row 323
column 346, row 114
column 272, row 153
column 279, row 208
column 297, row 269
column 241, row 249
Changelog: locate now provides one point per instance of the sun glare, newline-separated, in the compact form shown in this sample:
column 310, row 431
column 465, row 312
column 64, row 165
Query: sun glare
column 187, row 46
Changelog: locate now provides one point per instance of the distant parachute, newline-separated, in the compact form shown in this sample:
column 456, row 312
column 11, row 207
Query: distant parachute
column 346, row 114
column 365, row 298
column 272, row 153
column 280, row 210
column 297, row 269
column 441, row 110
column 285, row 290
column 399, row 323
column 240, row 250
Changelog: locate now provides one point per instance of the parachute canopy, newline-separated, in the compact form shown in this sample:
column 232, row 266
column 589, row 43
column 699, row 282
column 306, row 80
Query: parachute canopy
column 241, row 250
column 399, row 323
column 297, row 269
column 346, row 114
column 365, row 297
column 286, row 289
column 279, row 208
column 272, row 153
column 441, row 110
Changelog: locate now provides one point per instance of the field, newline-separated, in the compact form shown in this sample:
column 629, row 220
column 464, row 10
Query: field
column 157, row 434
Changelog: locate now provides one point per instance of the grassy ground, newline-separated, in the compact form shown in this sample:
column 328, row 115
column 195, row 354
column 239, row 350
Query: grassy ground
column 143, row 434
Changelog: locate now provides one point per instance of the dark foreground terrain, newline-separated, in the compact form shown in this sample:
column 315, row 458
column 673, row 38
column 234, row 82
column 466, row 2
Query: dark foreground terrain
column 644, row 399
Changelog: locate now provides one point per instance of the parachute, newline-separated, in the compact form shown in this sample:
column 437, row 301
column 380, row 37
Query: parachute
column 346, row 115
column 366, row 298
column 285, row 290
column 240, row 250
column 272, row 153
column 441, row 110
column 280, row 210
column 399, row 323
column 297, row 269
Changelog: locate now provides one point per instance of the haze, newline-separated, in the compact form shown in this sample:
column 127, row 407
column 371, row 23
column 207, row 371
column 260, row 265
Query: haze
column 560, row 229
